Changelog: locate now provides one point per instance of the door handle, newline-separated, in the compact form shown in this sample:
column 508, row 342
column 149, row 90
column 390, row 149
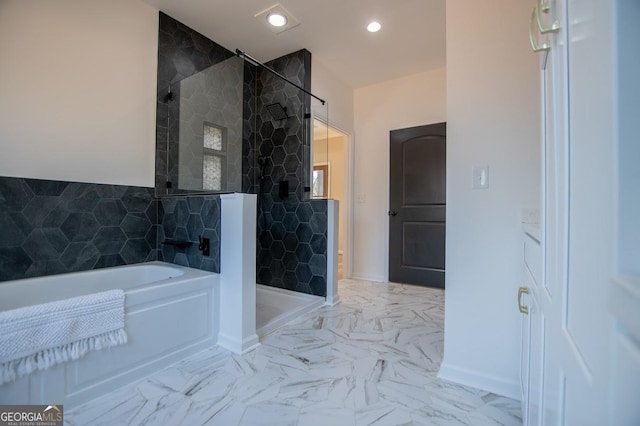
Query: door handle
column 532, row 38
column 544, row 8
column 392, row 213
column 523, row 309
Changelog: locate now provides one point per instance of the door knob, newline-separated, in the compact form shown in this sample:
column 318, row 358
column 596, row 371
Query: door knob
column 393, row 213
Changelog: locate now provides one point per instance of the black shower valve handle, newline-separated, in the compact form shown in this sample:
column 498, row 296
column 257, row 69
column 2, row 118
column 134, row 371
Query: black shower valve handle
column 203, row 246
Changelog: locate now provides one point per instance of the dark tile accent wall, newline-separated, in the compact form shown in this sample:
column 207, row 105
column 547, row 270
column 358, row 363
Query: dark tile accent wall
column 301, row 263
column 249, row 151
column 292, row 233
column 292, row 248
column 51, row 227
column 185, row 219
column 282, row 142
column 181, row 52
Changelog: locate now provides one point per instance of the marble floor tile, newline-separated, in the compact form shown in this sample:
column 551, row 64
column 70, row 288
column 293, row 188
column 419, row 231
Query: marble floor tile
column 382, row 414
column 371, row 360
column 327, row 415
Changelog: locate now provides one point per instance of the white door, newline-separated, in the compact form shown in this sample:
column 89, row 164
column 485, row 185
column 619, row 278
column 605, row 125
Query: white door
column 581, row 321
column 546, row 344
column 581, row 241
column 624, row 300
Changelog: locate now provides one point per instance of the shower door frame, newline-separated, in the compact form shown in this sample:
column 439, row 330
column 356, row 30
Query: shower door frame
column 347, row 206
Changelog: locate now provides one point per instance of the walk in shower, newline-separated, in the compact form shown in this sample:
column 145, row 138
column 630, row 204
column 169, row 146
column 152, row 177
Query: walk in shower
column 229, row 123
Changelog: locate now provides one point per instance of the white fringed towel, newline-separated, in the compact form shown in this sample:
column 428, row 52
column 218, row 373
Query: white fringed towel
column 40, row 336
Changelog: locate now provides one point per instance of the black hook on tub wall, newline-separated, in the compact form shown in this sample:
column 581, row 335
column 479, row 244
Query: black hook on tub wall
column 204, row 245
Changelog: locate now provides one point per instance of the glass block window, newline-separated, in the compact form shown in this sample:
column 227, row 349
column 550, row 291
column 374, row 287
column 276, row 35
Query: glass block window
column 212, row 173
column 212, row 137
column 214, row 157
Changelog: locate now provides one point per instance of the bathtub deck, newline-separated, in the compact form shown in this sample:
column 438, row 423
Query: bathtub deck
column 169, row 316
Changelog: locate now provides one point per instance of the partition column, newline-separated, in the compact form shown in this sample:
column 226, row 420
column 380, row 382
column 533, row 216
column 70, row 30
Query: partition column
column 238, row 272
column 333, row 298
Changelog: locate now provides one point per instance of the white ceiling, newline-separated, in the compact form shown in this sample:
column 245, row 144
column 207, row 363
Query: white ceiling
column 412, row 38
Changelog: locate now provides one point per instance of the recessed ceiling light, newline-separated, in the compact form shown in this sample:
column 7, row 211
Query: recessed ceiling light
column 276, row 19
column 374, row 27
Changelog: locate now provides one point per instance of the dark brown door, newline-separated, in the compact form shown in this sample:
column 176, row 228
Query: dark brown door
column 417, row 203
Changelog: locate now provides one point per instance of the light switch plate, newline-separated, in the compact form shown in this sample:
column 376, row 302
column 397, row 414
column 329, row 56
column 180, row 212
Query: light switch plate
column 480, row 177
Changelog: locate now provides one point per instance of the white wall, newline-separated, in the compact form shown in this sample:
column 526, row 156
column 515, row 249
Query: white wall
column 395, row 104
column 338, row 94
column 493, row 119
column 78, row 90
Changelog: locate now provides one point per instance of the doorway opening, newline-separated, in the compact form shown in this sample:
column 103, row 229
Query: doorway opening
column 332, row 174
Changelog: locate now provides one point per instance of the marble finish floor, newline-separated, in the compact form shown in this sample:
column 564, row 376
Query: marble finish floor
column 371, row 360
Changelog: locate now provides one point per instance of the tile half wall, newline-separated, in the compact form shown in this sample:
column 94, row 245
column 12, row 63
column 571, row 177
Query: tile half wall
column 53, row 227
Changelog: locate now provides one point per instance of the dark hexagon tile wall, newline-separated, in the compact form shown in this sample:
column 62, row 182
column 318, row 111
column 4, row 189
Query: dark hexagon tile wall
column 249, row 154
column 292, row 233
column 182, row 52
column 185, row 219
column 53, row 227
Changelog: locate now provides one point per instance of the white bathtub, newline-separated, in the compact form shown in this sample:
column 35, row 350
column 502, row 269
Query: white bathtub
column 170, row 313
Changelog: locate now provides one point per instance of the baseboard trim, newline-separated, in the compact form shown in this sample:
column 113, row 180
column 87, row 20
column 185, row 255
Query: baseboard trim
column 236, row 346
column 366, row 277
column 479, row 380
column 333, row 301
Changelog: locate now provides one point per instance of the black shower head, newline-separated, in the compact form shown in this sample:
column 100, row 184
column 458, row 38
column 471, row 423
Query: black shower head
column 277, row 111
